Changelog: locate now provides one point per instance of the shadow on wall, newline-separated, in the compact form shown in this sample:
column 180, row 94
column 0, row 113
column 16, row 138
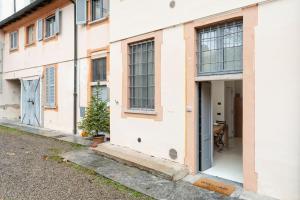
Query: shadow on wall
column 10, row 99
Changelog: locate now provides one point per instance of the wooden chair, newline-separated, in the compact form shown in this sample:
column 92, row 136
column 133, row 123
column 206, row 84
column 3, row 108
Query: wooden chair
column 219, row 134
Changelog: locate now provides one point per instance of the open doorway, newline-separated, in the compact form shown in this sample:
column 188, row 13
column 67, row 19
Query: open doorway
column 220, row 125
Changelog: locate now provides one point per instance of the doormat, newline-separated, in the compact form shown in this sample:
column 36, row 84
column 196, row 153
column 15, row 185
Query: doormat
column 215, row 186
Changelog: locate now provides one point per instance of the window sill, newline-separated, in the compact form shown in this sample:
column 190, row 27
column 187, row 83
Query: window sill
column 13, row 50
column 100, row 83
column 98, row 21
column 52, row 37
column 50, row 107
column 142, row 112
column 29, row 45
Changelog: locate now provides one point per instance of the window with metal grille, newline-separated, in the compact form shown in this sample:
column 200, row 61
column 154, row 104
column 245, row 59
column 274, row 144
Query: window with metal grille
column 220, row 49
column 50, row 86
column 141, row 75
column 99, row 69
column 14, row 40
column 99, row 9
column 50, row 26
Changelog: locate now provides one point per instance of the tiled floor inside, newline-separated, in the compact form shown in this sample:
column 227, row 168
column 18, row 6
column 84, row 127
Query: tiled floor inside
column 228, row 163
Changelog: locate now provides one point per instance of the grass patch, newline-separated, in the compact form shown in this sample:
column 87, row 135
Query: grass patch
column 8, row 130
column 101, row 180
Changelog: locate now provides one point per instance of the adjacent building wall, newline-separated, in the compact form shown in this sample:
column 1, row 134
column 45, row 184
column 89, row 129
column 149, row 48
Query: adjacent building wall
column 29, row 62
column 277, row 112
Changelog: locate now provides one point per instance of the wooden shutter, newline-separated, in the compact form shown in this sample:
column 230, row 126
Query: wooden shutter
column 57, row 21
column 50, row 87
column 81, row 11
column 40, row 29
column 16, row 39
column 105, row 8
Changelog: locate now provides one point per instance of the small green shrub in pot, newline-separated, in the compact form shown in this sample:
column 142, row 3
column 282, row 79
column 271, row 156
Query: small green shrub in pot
column 96, row 119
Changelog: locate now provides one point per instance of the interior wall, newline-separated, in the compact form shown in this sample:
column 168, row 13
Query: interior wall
column 218, row 100
column 220, row 106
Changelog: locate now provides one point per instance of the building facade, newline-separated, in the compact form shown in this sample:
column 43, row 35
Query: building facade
column 213, row 61
column 212, row 85
column 39, row 56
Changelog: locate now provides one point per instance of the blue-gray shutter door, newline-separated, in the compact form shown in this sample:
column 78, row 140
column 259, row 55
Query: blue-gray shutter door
column 36, row 102
column 52, row 87
column 40, row 29
column 25, row 110
column 205, row 127
column 31, row 102
column 57, row 21
column 81, row 11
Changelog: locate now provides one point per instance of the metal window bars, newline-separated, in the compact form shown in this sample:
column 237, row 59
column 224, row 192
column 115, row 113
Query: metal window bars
column 220, row 49
column 141, row 75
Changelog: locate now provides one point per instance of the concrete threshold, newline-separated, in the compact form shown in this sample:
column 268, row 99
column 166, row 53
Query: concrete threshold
column 160, row 167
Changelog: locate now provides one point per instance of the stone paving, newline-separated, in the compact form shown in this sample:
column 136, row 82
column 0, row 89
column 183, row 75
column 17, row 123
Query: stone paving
column 31, row 169
column 139, row 180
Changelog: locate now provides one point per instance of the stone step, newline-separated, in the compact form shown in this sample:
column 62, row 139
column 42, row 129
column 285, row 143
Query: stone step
column 157, row 166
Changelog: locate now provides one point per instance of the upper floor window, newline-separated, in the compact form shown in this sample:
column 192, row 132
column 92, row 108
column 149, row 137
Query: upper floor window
column 220, row 49
column 99, row 9
column 13, row 40
column 141, row 75
column 99, row 69
column 50, row 26
column 30, row 34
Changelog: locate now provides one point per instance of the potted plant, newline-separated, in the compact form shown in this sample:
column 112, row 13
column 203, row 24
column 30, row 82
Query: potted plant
column 96, row 119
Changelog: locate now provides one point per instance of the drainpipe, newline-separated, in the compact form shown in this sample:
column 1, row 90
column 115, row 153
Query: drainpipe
column 75, row 73
column 15, row 8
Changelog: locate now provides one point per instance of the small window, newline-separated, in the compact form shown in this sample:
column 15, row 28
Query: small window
column 50, row 26
column 99, row 9
column 30, row 34
column 100, row 92
column 99, row 69
column 50, row 87
column 14, row 40
column 141, row 75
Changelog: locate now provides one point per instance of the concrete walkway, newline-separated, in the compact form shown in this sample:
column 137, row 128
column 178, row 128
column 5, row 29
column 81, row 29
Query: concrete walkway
column 139, row 180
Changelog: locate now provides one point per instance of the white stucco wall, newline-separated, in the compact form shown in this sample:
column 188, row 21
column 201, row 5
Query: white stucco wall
column 158, row 137
column 141, row 16
column 277, row 112
column 28, row 62
column 218, row 95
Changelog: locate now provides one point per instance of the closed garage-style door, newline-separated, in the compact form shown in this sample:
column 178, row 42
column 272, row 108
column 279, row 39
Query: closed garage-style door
column 31, row 102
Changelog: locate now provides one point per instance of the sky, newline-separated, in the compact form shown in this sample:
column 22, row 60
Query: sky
column 7, row 7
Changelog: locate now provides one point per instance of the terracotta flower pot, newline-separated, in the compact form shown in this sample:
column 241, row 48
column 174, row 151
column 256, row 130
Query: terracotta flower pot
column 97, row 140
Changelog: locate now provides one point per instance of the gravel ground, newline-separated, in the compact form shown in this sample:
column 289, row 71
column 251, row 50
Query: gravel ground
column 31, row 169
